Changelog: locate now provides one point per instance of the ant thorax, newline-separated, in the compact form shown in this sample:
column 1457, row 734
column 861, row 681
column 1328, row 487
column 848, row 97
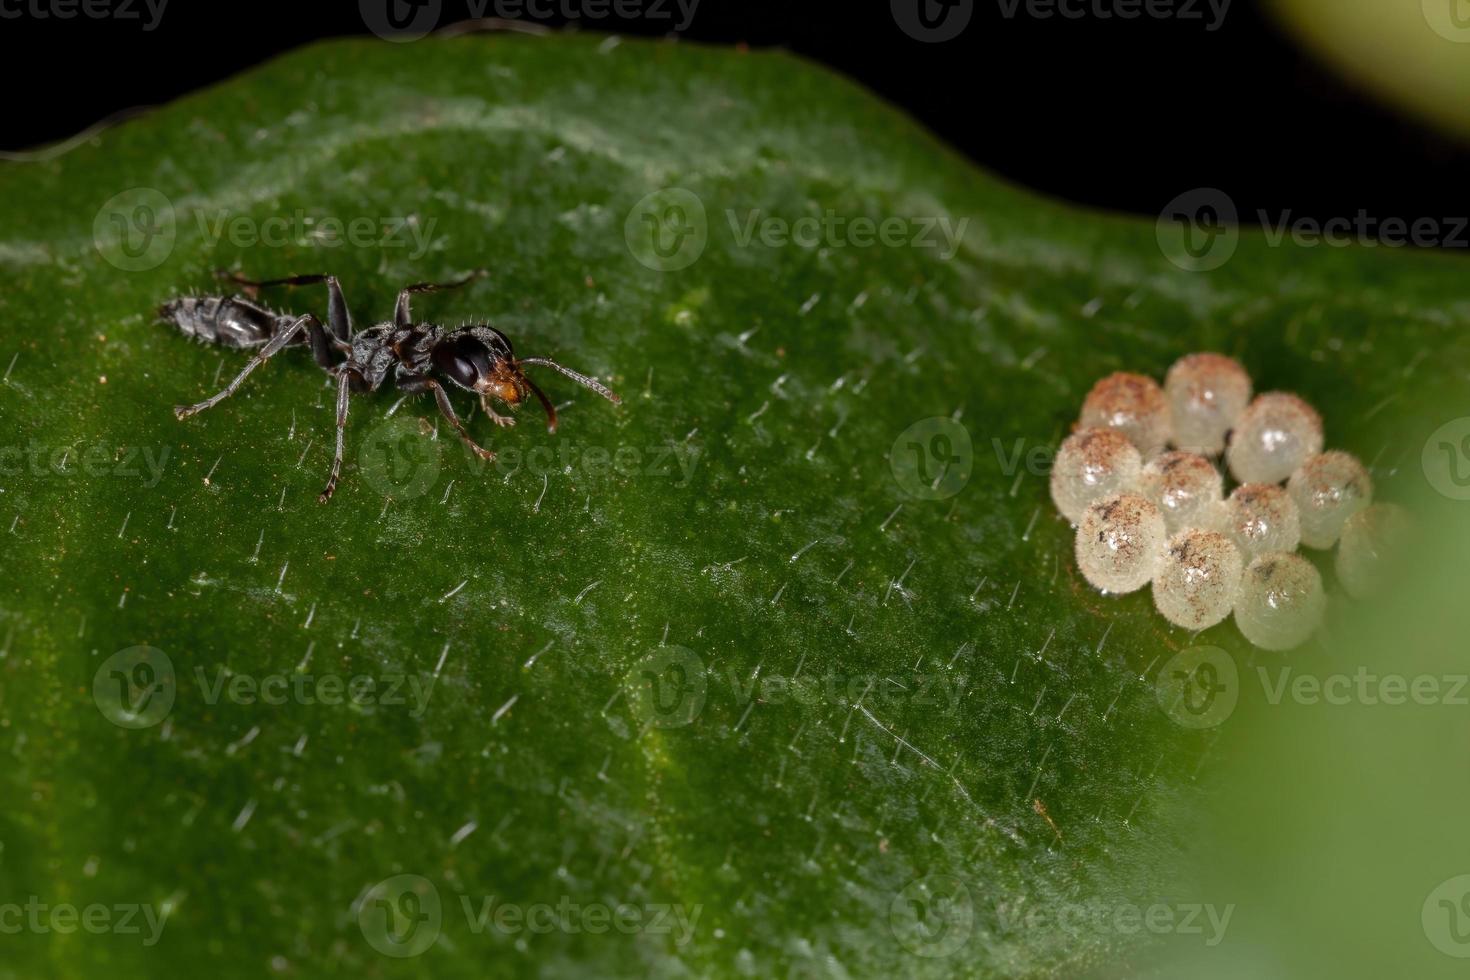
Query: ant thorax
column 384, row 350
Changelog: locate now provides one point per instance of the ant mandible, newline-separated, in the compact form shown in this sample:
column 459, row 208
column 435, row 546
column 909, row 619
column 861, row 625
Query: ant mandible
column 477, row 358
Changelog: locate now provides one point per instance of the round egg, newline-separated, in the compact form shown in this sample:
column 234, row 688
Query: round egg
column 1092, row 464
column 1259, row 517
column 1276, row 434
column 1371, row 548
column 1134, row 405
column 1198, row 580
column 1206, row 394
column 1120, row 542
column 1328, row 489
column 1185, row 487
column 1281, row 601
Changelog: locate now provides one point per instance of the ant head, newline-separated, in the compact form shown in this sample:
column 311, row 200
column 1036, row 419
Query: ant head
column 470, row 356
column 480, row 359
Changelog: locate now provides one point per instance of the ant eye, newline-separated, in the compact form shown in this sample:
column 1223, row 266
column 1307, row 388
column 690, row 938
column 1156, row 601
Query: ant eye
column 463, row 360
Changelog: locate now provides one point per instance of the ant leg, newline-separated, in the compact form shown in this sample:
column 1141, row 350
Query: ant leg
column 401, row 315
column 344, row 389
column 415, row 384
column 322, row 344
column 338, row 319
column 277, row 342
column 496, row 417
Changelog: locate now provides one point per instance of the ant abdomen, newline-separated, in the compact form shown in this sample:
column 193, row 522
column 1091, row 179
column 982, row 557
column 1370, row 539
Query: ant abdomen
column 225, row 320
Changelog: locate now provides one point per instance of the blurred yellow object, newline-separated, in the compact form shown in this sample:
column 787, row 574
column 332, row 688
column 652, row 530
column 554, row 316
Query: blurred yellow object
column 1413, row 53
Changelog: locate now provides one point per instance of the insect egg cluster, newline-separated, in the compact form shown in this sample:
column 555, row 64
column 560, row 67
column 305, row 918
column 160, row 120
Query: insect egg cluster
column 1138, row 479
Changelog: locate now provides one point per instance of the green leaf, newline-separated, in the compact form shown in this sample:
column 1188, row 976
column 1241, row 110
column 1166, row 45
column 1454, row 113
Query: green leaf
column 718, row 649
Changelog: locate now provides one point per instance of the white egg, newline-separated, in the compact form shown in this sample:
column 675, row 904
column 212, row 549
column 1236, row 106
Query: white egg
column 1185, row 487
column 1120, row 542
column 1134, row 405
column 1276, row 434
column 1260, row 517
column 1092, row 464
column 1281, row 601
column 1199, row 579
column 1206, row 394
column 1372, row 547
column 1328, row 489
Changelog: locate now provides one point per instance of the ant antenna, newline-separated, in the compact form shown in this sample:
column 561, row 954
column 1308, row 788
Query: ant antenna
column 581, row 379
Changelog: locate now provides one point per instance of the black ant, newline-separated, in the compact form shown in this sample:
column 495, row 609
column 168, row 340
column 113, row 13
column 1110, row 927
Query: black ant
column 477, row 358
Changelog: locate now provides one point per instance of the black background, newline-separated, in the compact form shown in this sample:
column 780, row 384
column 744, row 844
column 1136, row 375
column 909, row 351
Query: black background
column 1121, row 114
